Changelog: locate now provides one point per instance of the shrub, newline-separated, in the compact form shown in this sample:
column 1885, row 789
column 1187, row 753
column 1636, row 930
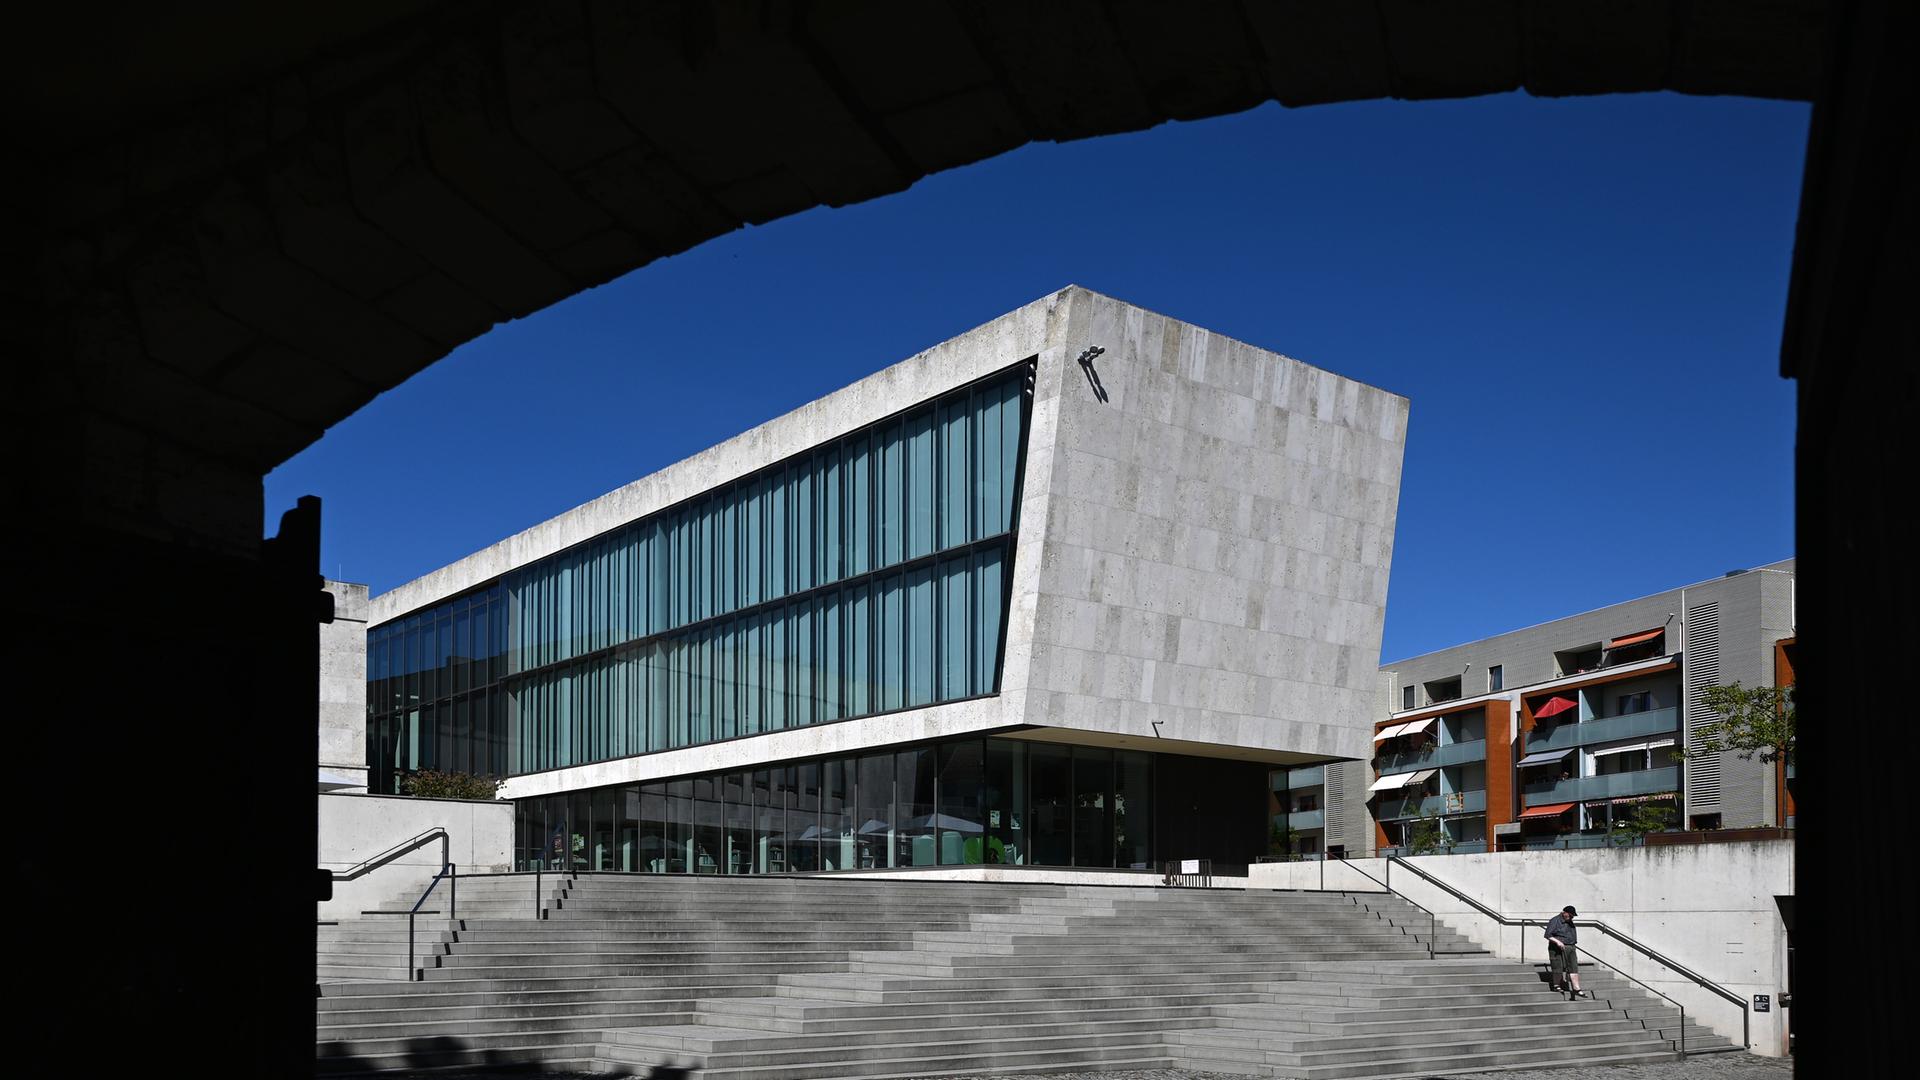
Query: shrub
column 434, row 784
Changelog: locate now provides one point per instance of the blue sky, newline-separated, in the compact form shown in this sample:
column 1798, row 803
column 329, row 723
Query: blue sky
column 1582, row 298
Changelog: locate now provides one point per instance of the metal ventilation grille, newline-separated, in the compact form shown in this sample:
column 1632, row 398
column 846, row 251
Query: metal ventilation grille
column 1702, row 662
column 1334, row 801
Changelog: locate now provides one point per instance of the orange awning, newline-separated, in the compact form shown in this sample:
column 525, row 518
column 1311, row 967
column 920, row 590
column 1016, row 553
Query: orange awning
column 1549, row 810
column 1635, row 639
column 1554, row 707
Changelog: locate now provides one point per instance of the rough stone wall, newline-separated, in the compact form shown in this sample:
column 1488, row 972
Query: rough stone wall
column 343, row 683
column 1219, row 528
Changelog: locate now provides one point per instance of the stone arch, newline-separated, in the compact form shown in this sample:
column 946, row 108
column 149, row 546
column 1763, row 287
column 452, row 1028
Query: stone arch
column 236, row 267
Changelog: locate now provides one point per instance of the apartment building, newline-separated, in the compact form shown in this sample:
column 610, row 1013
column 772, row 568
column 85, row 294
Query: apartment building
column 1546, row 736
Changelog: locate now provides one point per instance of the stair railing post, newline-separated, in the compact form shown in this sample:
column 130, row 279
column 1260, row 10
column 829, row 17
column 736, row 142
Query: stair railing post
column 453, row 885
column 1683, row 1028
column 412, row 973
column 536, row 892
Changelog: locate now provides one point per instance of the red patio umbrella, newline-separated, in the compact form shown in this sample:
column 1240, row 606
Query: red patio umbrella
column 1554, row 707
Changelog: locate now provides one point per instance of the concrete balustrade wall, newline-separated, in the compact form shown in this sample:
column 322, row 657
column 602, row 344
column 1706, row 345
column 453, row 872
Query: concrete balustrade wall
column 1709, row 907
column 356, row 827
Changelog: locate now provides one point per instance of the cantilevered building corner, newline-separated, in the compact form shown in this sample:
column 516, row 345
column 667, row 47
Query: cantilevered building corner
column 1059, row 591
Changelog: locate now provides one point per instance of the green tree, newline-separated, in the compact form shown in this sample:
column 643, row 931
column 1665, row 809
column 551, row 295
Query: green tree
column 1426, row 836
column 1753, row 721
column 1280, row 839
column 1646, row 818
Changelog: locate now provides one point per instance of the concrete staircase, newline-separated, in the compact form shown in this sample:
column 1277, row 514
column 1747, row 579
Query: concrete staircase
column 844, row 977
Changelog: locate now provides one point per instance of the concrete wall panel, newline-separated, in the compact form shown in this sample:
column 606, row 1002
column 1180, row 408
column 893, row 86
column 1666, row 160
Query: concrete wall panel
column 357, row 827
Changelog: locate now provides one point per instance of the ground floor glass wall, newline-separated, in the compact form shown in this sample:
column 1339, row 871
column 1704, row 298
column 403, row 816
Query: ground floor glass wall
column 956, row 802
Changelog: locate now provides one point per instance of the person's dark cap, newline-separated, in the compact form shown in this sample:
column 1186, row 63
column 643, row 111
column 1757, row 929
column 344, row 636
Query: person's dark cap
column 1569, row 910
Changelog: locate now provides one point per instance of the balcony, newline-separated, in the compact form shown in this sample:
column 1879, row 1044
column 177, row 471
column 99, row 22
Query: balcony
column 1460, row 802
column 1606, row 729
column 1305, row 819
column 1469, row 847
column 1432, row 757
column 1613, row 786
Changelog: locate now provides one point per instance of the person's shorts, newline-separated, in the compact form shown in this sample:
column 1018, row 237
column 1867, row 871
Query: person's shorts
column 1563, row 961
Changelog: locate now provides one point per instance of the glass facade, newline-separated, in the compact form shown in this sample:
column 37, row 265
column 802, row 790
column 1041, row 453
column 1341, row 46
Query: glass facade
column 864, row 576
column 956, row 802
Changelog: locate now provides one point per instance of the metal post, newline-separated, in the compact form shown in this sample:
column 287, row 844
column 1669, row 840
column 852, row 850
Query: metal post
column 536, row 893
column 1683, row 1028
column 412, row 972
column 453, row 884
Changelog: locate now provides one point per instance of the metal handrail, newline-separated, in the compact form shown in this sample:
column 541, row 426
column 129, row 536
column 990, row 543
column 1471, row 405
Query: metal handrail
column 1681, row 1008
column 1746, row 1014
column 538, row 874
column 1433, row 921
column 403, row 848
column 447, row 871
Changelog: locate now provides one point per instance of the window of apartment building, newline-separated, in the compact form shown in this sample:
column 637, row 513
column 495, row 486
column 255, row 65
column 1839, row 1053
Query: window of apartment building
column 1496, row 678
column 1309, row 845
column 1634, row 703
column 1444, row 689
column 1637, row 646
column 1633, row 759
column 1306, row 804
column 1574, row 661
column 1406, row 697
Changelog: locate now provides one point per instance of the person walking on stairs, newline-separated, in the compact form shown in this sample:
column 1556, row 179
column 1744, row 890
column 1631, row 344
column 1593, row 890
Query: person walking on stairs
column 1563, row 954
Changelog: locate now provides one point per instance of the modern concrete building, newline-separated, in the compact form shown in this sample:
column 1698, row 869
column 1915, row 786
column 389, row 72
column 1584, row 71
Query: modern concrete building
column 1542, row 737
column 1060, row 591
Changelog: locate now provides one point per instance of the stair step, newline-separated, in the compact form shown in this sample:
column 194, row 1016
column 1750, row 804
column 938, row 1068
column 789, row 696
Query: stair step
column 793, row 978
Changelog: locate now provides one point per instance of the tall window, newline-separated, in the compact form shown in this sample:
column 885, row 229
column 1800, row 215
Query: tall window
column 1406, row 697
column 1496, row 678
column 863, row 576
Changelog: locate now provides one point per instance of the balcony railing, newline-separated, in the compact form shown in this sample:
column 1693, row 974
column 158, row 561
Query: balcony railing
column 1305, row 819
column 1606, row 729
column 1570, row 840
column 1460, row 802
column 1432, row 757
column 1311, row 776
column 1613, row 786
column 1466, row 847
